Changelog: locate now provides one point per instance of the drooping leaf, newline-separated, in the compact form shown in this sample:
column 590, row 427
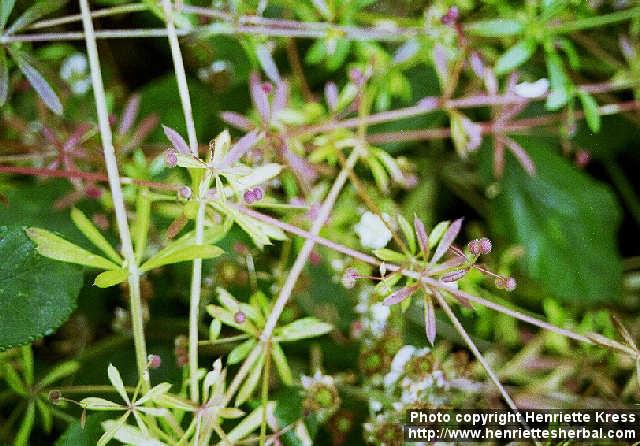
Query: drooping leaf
column 22, row 437
column 39, row 84
column 515, row 56
column 249, row 423
column 36, row 294
column 566, row 223
column 591, row 112
column 559, row 81
column 57, row 248
column 280, row 360
column 111, row 277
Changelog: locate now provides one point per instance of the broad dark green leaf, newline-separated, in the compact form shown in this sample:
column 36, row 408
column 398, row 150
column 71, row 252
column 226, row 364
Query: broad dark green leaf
column 515, row 56
column 36, row 294
column 565, row 221
column 495, row 28
column 76, row 435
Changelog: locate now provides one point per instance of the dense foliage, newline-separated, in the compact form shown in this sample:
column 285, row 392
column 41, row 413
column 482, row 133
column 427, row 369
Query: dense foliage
column 287, row 222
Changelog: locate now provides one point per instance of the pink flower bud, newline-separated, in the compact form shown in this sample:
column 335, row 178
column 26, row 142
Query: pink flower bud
column 171, row 158
column 154, row 361
column 315, row 258
column 93, row 192
column 510, row 284
column 474, row 247
column 239, row 317
column 451, row 17
column 582, row 158
column 267, row 87
column 356, row 76
column 253, row 195
column 185, row 192
column 485, row 245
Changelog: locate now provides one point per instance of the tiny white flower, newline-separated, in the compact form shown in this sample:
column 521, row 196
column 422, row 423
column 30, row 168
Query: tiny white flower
column 75, row 71
column 532, row 89
column 375, row 406
column 372, row 231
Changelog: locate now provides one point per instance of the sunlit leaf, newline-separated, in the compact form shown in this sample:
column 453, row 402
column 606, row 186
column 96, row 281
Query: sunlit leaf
column 111, row 277
column 308, row 327
column 495, row 28
column 515, row 56
column 182, row 255
column 57, row 248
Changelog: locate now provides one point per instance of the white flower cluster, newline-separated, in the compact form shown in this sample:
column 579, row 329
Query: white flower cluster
column 75, row 71
column 372, row 231
column 372, row 316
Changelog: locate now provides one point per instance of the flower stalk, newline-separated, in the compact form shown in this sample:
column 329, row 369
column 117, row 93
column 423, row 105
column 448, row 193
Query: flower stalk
column 113, row 175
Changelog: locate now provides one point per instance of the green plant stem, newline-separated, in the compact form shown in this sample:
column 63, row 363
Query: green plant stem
column 265, row 393
column 116, row 193
column 196, row 272
column 472, row 346
column 105, row 12
column 596, row 21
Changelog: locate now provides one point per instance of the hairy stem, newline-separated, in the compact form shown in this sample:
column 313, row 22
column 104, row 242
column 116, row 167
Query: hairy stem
column 116, row 193
column 196, row 272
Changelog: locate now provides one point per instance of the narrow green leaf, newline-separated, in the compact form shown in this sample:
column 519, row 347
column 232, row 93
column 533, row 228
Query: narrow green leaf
column 241, row 351
column 57, row 248
column 388, row 255
column 558, row 80
column 437, row 233
column 14, row 381
column 380, row 175
column 112, row 430
column 226, row 317
column 408, row 233
column 591, row 112
column 93, row 234
column 282, row 365
column 182, row 255
column 58, row 372
column 39, row 84
column 251, row 381
column 38, row 10
column 111, row 277
column 22, row 437
column 495, row 28
column 4, row 77
column 249, row 423
column 143, row 220
column 46, row 414
column 27, row 364
column 214, row 329
column 6, row 6
column 307, row 327
column 515, row 56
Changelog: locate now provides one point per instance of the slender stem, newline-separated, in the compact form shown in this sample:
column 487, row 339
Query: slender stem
column 265, row 393
column 105, row 12
column 438, row 284
column 472, row 346
column 305, row 251
column 137, row 321
column 596, row 21
column 196, row 272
